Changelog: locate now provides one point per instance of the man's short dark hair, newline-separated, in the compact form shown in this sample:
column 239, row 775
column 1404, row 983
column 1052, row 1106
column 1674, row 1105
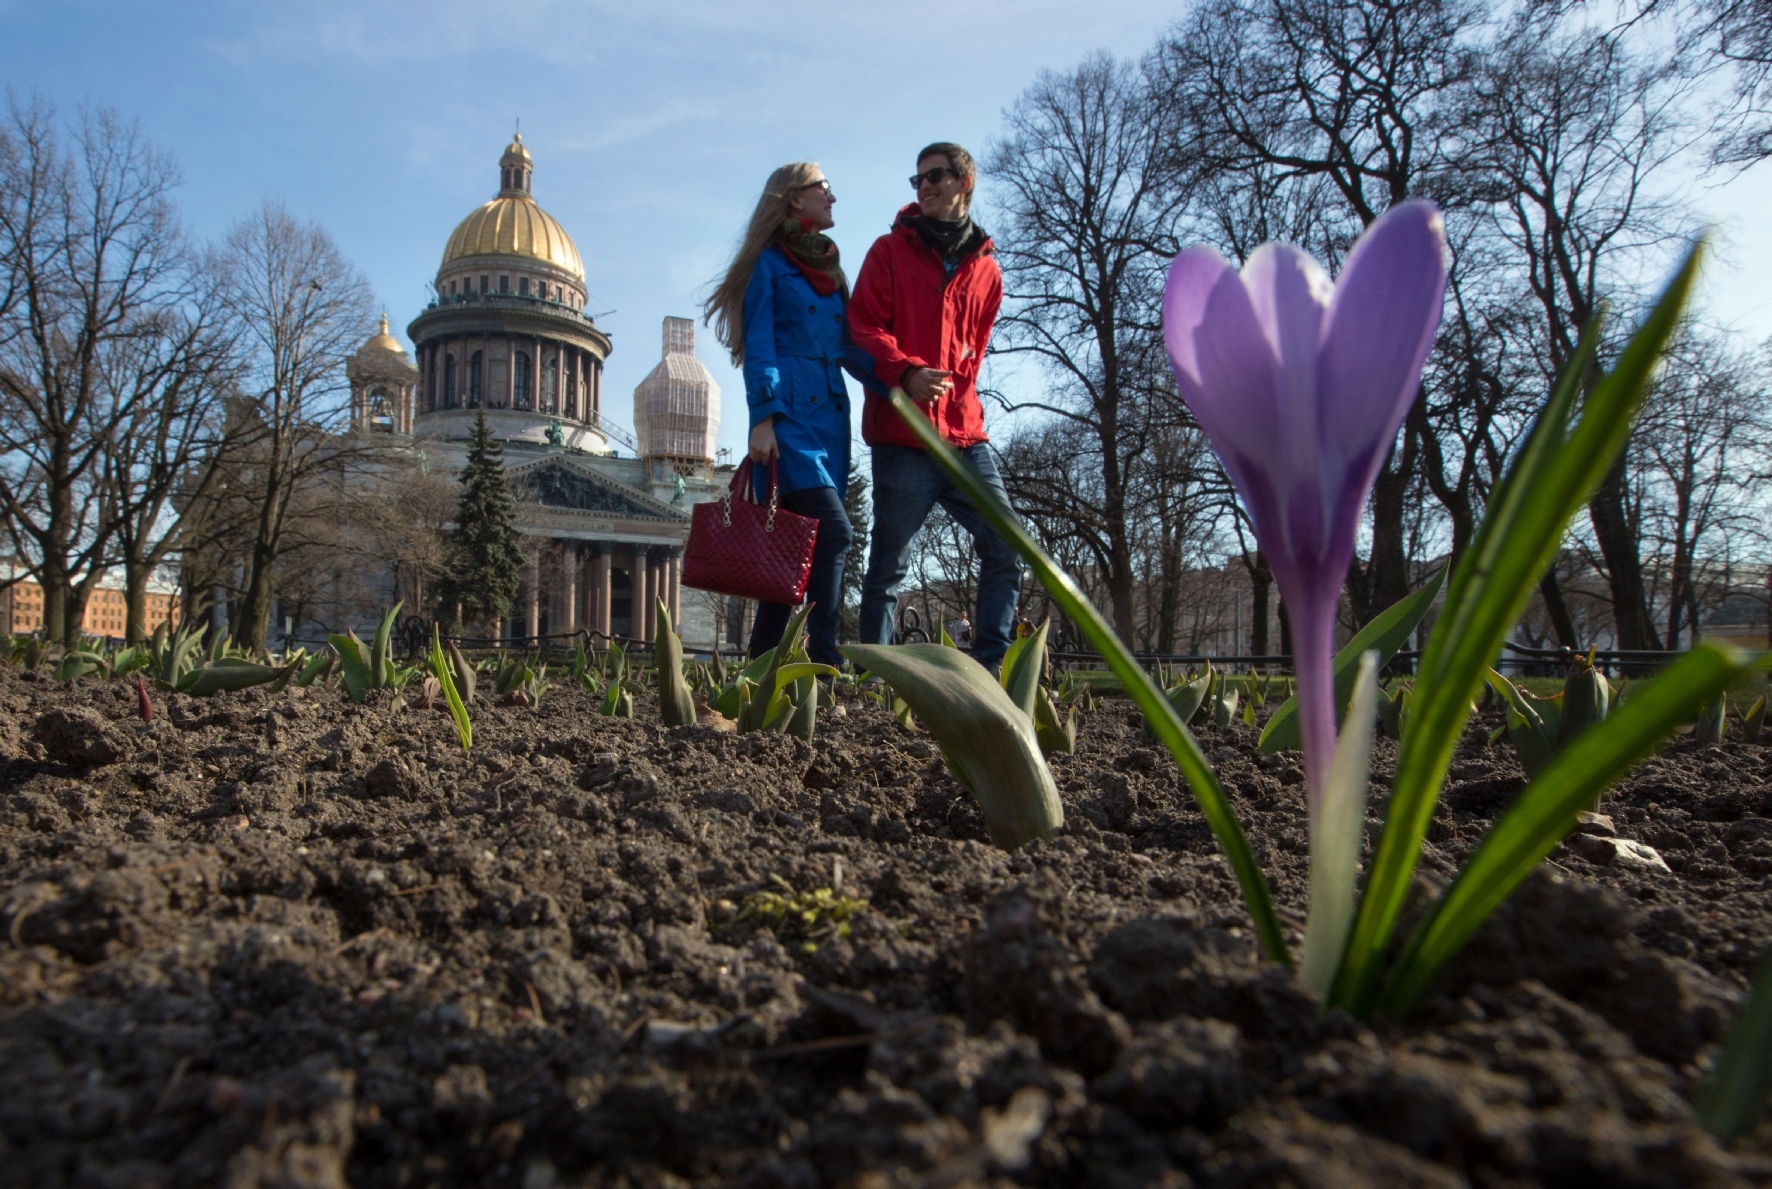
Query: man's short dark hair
column 958, row 157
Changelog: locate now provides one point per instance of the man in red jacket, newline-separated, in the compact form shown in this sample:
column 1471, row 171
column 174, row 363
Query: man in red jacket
column 923, row 308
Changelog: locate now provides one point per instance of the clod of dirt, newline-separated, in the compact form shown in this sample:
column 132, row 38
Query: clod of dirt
column 80, row 738
column 1157, row 967
column 1017, row 971
column 1185, row 1072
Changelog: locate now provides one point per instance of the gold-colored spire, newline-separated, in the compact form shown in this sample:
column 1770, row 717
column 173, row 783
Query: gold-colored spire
column 384, row 341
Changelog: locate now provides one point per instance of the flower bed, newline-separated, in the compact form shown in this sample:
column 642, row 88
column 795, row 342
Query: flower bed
column 285, row 940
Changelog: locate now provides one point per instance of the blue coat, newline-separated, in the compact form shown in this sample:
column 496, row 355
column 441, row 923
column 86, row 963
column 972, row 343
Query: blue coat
column 796, row 347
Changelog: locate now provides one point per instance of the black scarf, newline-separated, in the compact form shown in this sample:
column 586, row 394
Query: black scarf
column 952, row 240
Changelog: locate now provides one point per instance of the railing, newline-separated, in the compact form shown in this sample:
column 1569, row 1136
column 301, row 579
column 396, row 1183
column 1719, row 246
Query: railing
column 1517, row 659
column 614, row 433
column 415, row 636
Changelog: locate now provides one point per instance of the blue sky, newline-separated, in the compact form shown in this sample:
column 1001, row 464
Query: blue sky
column 652, row 125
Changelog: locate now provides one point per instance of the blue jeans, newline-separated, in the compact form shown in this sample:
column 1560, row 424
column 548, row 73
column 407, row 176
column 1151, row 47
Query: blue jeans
column 824, row 589
column 907, row 486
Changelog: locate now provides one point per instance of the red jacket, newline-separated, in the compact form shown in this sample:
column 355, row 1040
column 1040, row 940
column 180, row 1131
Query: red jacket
column 907, row 312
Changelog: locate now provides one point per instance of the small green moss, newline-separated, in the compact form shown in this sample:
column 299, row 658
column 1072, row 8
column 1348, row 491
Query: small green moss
column 809, row 917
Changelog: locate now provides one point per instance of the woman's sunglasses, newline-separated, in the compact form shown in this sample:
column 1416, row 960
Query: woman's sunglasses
column 821, row 184
column 933, row 177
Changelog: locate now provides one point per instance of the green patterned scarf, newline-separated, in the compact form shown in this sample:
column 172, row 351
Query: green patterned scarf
column 815, row 253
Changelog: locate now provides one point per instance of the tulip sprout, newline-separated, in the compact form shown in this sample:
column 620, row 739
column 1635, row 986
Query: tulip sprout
column 675, row 706
column 1754, row 720
column 441, row 667
column 371, row 666
column 987, row 740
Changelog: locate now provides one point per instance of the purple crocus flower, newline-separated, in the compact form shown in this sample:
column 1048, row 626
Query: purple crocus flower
column 1301, row 385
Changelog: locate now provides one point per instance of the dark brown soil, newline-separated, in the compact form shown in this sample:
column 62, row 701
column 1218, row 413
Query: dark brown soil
column 285, row 941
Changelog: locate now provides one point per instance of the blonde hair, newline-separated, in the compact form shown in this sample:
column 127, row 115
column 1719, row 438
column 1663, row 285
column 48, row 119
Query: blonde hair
column 724, row 308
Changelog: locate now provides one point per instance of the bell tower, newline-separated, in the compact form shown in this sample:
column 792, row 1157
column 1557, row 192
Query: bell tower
column 382, row 384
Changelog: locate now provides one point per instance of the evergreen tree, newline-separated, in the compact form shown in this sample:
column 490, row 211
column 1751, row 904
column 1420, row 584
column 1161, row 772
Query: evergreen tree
column 860, row 510
column 485, row 567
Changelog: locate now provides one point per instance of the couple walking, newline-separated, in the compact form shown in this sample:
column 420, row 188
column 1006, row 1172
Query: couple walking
column 919, row 319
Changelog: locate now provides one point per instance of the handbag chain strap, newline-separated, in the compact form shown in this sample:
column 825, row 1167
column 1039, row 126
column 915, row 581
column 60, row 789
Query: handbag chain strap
column 726, row 510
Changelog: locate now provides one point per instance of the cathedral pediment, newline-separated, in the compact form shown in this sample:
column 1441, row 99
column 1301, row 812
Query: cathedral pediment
column 555, row 484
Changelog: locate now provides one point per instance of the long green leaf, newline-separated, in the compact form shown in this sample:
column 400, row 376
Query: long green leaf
column 441, row 668
column 1021, row 677
column 1732, row 1097
column 989, row 743
column 381, row 648
column 1159, row 714
column 1386, row 634
column 350, row 649
column 675, row 707
column 321, row 663
column 766, row 704
column 1557, row 471
column 1545, row 811
column 225, row 673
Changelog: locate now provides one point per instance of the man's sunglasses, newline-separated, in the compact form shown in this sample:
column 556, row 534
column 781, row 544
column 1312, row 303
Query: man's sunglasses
column 933, row 177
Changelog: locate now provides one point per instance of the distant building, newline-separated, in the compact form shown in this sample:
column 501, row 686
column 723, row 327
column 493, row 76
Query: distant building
column 107, row 611
column 507, row 334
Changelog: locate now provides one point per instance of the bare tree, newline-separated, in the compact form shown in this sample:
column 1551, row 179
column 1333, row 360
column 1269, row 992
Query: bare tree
column 1086, row 214
column 1730, row 38
column 163, row 449
column 1571, row 130
column 1702, row 448
column 100, row 322
column 302, row 308
column 1346, row 97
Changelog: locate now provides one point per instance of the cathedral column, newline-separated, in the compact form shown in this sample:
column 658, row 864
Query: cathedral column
column 532, row 597
column 572, row 385
column 510, row 372
column 601, row 592
column 568, row 587
column 640, row 615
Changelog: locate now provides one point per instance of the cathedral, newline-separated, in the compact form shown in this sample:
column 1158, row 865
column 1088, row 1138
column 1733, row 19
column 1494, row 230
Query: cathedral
column 605, row 513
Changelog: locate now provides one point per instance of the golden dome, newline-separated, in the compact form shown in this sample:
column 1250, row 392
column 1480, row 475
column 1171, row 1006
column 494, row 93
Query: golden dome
column 512, row 225
column 384, row 341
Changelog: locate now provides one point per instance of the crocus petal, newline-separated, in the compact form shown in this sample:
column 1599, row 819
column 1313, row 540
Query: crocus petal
column 1223, row 363
column 1291, row 293
column 1380, row 327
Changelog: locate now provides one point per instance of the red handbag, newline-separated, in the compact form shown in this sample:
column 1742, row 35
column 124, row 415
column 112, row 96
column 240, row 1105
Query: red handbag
column 755, row 551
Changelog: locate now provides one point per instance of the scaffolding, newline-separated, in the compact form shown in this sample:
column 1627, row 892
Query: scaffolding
column 677, row 406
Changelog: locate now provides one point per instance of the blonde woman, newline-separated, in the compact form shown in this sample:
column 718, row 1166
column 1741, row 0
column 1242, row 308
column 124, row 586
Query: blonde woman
column 780, row 310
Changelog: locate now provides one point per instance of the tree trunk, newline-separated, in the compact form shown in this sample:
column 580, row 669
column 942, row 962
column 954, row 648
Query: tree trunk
column 135, row 598
column 1261, row 581
column 255, row 602
column 55, row 605
column 1617, row 537
column 1387, row 570
column 1285, row 630
column 1551, row 591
